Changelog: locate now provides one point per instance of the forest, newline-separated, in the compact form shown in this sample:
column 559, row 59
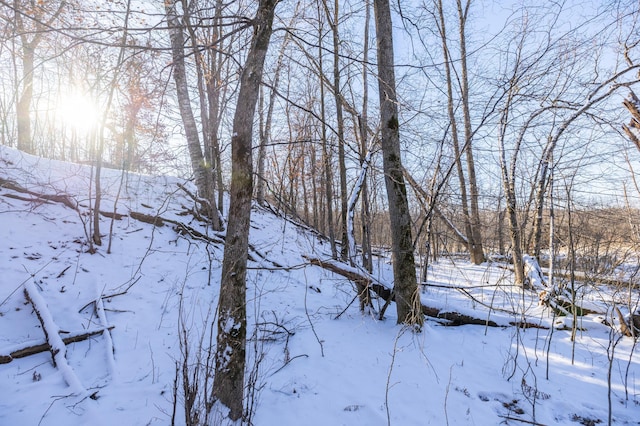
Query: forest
column 402, row 141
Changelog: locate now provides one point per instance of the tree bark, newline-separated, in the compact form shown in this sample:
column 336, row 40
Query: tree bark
column 363, row 291
column 228, row 384
column 404, row 268
column 508, row 170
column 216, row 91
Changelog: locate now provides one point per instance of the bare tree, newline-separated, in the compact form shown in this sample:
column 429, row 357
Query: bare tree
column 266, row 118
column 404, row 269
column 473, row 217
column 97, row 238
column 474, row 245
column 228, row 385
column 598, row 94
column 209, row 44
column 30, row 21
column 333, row 18
column 326, row 153
column 363, row 121
column 201, row 169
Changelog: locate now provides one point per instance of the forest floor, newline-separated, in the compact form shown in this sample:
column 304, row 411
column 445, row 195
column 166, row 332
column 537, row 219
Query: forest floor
column 314, row 359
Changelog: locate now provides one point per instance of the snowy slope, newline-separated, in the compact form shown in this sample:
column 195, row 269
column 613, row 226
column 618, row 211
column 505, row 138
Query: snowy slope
column 309, row 367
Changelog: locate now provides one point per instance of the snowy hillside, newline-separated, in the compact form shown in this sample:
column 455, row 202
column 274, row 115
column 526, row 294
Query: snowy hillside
column 314, row 359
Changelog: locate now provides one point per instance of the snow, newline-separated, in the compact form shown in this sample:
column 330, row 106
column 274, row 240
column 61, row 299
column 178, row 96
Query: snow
column 157, row 286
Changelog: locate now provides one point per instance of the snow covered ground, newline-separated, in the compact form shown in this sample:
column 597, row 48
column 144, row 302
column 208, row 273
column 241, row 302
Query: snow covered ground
column 308, row 367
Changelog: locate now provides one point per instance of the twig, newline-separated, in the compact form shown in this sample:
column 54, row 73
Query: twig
column 63, row 271
column 529, row 422
column 109, row 296
column 288, row 361
column 347, row 307
column 306, row 311
column 388, row 385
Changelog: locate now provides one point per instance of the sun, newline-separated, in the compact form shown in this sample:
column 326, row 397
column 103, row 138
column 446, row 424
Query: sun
column 78, row 111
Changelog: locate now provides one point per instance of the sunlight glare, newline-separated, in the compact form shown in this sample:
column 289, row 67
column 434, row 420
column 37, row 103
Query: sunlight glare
column 79, row 111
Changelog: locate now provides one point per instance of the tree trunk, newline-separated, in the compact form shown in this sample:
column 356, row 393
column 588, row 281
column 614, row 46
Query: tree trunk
column 508, row 174
column 469, row 200
column 514, row 233
column 404, row 268
column 363, row 292
column 228, row 384
column 466, row 216
column 367, row 261
column 38, row 24
column 215, row 95
column 202, row 170
column 23, row 108
column 476, row 250
column 326, row 156
column 342, row 168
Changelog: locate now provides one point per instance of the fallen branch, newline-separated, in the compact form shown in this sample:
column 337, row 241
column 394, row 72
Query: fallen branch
column 557, row 298
column 9, row 355
column 48, row 198
column 198, row 200
column 183, row 229
column 64, row 199
column 529, row 422
column 450, row 318
column 52, row 336
column 455, row 318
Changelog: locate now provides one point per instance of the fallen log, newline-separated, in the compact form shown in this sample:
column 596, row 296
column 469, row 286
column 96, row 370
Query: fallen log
column 447, row 318
column 630, row 327
column 455, row 318
column 9, row 355
column 147, row 218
